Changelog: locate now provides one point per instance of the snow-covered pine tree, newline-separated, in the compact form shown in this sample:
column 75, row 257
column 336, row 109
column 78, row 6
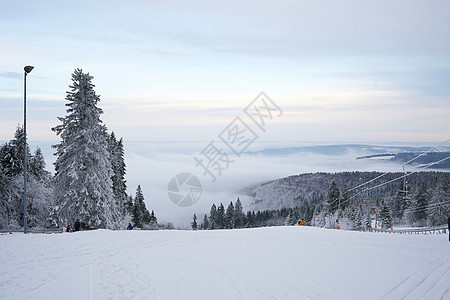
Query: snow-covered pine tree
column 37, row 165
column 12, row 154
column 194, row 223
column 39, row 185
column 220, row 217
column 119, row 169
column 229, row 216
column 139, row 208
column 83, row 166
column 136, row 216
column 212, row 217
column 238, row 214
column 385, row 216
column 205, row 224
column 140, row 216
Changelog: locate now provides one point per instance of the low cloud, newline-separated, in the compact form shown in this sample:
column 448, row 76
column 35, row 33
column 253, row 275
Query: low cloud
column 163, row 161
column 153, row 164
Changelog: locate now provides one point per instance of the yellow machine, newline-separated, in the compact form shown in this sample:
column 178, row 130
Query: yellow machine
column 301, row 222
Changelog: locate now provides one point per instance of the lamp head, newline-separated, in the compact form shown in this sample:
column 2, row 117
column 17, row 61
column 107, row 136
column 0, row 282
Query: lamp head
column 28, row 69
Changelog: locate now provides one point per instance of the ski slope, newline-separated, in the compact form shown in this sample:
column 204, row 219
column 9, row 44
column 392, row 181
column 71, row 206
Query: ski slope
column 263, row 263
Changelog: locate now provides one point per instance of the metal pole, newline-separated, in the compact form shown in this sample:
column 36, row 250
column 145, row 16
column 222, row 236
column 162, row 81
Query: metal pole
column 27, row 70
column 25, row 159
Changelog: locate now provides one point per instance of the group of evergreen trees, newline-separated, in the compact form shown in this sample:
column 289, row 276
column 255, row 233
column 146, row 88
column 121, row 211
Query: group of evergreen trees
column 89, row 182
column 427, row 203
column 39, row 185
column 234, row 217
column 140, row 216
column 219, row 218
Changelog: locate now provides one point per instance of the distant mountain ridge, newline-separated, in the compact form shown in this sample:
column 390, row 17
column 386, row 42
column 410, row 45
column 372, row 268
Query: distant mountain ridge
column 361, row 149
column 400, row 154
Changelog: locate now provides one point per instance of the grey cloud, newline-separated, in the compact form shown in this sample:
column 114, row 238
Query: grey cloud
column 334, row 28
column 12, row 75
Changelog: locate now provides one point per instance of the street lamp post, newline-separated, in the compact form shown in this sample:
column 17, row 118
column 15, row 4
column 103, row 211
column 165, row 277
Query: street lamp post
column 27, row 70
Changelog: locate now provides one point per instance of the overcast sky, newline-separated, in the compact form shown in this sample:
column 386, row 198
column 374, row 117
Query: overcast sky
column 342, row 71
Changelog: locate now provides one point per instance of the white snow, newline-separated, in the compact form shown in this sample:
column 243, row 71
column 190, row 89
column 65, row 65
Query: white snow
column 264, row 263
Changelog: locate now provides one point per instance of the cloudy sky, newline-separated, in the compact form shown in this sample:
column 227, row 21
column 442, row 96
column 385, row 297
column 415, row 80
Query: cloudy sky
column 342, row 71
column 172, row 75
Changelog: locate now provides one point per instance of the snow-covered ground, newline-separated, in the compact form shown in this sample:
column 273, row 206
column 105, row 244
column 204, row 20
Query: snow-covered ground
column 264, row 263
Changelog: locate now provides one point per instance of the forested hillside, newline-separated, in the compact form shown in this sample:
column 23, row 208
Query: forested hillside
column 420, row 200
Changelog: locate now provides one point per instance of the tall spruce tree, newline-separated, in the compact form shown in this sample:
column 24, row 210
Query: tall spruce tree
column 140, row 215
column 238, row 214
column 229, row 216
column 37, row 165
column 205, row 224
column 119, row 169
column 83, row 166
column 213, row 217
column 220, row 217
column 385, row 216
column 194, row 224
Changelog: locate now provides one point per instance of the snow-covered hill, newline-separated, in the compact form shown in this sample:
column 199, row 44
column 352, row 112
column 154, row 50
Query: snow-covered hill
column 312, row 188
column 264, row 263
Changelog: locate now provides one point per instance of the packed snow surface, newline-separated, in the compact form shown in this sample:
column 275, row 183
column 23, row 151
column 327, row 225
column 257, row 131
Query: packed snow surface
column 264, row 263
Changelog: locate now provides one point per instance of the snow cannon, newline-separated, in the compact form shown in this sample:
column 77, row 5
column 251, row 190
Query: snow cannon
column 301, row 222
